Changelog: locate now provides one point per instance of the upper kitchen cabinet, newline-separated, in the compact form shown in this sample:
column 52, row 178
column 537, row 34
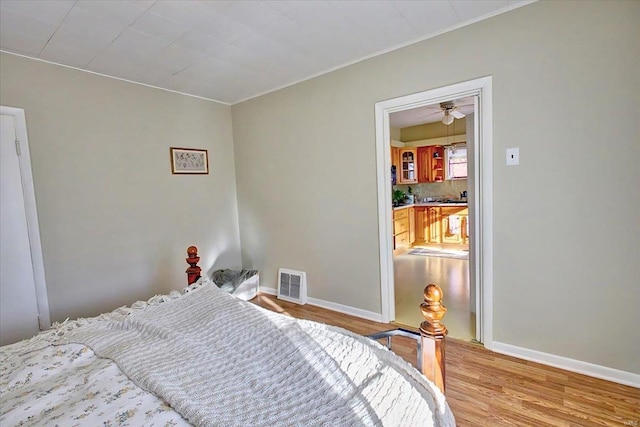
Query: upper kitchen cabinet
column 437, row 163
column 431, row 163
column 408, row 168
column 395, row 157
column 423, row 164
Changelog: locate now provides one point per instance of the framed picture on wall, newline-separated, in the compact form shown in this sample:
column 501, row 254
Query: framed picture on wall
column 189, row 161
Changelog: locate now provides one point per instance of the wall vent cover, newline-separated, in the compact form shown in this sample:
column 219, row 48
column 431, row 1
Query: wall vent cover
column 292, row 286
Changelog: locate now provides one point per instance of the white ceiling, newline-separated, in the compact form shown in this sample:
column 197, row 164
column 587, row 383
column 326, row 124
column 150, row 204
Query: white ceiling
column 226, row 51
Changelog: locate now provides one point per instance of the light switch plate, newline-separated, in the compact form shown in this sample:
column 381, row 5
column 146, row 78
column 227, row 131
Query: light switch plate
column 513, row 156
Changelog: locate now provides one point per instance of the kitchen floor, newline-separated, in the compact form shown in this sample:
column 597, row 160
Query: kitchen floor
column 413, row 272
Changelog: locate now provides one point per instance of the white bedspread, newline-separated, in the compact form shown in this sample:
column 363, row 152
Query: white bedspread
column 223, row 362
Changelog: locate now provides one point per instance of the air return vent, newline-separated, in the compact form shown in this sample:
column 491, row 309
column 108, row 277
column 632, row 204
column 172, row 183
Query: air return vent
column 292, row 286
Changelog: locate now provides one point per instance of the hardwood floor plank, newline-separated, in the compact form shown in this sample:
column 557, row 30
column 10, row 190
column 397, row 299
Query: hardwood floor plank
column 490, row 389
column 505, row 415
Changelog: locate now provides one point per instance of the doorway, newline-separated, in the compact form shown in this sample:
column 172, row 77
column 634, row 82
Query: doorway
column 24, row 308
column 436, row 247
column 479, row 200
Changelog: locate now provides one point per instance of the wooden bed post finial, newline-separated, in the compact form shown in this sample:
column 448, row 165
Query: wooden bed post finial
column 433, row 333
column 193, row 271
column 433, row 311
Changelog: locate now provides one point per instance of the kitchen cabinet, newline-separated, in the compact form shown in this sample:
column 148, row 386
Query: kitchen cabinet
column 433, row 220
column 430, row 163
column 465, row 230
column 423, row 164
column 421, row 225
column 451, row 230
column 440, row 225
column 437, row 163
column 403, row 229
column 436, row 156
column 408, row 169
column 454, row 221
column 412, row 226
column 395, row 157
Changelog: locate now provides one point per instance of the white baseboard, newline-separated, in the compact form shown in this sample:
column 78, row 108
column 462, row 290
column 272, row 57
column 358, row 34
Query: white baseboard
column 590, row 369
column 334, row 306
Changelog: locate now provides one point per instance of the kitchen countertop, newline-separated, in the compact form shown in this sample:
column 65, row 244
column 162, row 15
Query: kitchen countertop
column 427, row 204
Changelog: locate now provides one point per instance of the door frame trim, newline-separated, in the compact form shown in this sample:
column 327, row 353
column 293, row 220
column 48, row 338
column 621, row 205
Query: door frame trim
column 481, row 208
column 31, row 211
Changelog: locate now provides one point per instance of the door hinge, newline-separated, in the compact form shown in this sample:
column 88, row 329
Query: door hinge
column 17, row 146
column 40, row 324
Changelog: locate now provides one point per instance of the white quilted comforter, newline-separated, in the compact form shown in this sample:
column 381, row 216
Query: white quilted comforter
column 219, row 361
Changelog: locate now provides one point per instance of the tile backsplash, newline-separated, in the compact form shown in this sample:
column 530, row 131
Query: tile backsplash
column 446, row 189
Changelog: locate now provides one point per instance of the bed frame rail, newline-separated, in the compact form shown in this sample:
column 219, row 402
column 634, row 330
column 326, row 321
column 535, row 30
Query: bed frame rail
column 400, row 332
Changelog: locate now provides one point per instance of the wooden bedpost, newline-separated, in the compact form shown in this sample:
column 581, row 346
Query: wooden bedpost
column 193, row 271
column 433, row 333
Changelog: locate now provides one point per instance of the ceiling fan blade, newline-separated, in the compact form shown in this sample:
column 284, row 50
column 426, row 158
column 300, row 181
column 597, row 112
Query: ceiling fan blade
column 457, row 114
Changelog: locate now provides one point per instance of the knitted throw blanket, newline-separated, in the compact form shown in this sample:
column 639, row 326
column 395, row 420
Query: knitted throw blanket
column 220, row 361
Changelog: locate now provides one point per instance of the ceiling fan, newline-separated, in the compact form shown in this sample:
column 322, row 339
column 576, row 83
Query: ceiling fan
column 451, row 111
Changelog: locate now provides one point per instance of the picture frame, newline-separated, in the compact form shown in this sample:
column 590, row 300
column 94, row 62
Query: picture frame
column 189, row 161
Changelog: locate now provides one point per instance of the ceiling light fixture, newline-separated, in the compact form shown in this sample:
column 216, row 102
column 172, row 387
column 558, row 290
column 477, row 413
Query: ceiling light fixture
column 448, row 118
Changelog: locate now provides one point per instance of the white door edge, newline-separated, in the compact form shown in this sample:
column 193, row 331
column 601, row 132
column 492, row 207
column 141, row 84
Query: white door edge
column 31, row 213
column 483, row 218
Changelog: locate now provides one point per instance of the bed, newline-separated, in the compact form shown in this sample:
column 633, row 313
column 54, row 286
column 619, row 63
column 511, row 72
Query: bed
column 204, row 357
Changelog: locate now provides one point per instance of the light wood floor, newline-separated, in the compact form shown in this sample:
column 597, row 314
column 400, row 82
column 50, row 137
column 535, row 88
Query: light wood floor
column 412, row 273
column 488, row 389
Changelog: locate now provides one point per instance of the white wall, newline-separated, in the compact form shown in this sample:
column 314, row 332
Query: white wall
column 566, row 230
column 115, row 223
